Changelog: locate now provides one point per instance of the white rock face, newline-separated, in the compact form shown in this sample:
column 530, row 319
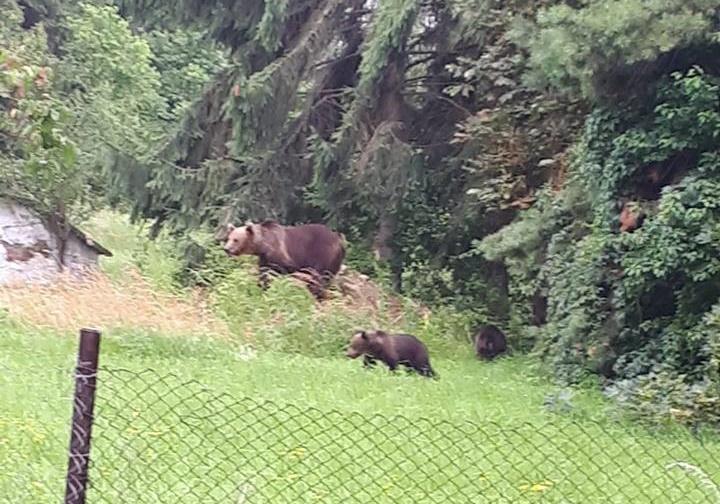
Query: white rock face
column 29, row 251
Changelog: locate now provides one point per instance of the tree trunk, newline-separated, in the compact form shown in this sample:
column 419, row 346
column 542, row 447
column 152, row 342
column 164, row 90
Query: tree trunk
column 382, row 244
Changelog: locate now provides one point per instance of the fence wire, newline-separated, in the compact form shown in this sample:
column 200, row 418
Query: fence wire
column 160, row 439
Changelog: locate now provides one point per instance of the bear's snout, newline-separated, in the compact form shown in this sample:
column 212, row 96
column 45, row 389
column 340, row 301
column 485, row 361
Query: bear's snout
column 352, row 353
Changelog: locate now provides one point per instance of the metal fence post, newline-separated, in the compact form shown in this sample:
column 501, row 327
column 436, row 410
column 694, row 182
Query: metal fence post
column 82, row 419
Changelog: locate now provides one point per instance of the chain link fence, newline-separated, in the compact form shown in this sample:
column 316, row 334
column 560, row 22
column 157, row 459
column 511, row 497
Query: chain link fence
column 158, row 438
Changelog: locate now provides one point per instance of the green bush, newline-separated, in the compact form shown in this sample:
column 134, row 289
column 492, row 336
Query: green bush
column 632, row 306
column 285, row 317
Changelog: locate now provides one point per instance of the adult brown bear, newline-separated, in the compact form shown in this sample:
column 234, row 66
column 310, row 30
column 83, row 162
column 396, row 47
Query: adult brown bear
column 489, row 342
column 312, row 253
column 392, row 349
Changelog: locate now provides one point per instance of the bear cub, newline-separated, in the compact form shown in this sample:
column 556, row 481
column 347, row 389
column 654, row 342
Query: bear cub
column 489, row 342
column 392, row 349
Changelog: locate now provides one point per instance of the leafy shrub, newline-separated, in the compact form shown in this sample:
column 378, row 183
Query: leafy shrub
column 39, row 158
column 670, row 393
column 107, row 74
column 436, row 269
column 360, row 258
column 524, row 247
column 157, row 260
column 286, row 318
column 632, row 306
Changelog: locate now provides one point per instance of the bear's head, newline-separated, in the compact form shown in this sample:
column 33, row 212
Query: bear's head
column 358, row 345
column 241, row 240
column 631, row 218
column 364, row 342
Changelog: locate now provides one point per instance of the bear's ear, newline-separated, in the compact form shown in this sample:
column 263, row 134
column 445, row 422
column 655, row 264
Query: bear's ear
column 229, row 227
column 363, row 335
column 249, row 229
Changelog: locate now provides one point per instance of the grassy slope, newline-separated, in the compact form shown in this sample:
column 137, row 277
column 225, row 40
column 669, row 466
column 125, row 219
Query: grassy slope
column 155, row 437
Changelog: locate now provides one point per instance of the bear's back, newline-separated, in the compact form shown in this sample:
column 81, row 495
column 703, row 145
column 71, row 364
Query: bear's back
column 314, row 246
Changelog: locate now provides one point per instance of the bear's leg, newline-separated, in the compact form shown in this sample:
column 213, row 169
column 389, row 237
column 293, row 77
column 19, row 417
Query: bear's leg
column 368, row 362
column 427, row 371
column 314, row 283
column 491, row 349
column 317, row 291
column 392, row 365
column 409, row 368
column 264, row 278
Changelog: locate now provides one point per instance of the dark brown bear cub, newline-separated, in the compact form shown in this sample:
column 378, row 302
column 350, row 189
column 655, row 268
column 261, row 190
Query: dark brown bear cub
column 489, row 342
column 392, row 349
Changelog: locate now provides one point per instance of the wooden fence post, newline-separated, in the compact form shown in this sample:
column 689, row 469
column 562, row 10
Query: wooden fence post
column 82, row 418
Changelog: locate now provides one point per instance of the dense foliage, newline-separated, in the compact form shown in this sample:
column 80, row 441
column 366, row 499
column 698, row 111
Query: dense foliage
column 38, row 158
column 476, row 153
column 636, row 307
column 96, row 89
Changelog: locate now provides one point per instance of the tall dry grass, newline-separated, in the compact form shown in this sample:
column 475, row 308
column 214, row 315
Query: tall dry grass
column 97, row 301
column 284, row 318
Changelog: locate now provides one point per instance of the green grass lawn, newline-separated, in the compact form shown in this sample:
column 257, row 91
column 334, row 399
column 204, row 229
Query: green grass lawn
column 230, row 427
